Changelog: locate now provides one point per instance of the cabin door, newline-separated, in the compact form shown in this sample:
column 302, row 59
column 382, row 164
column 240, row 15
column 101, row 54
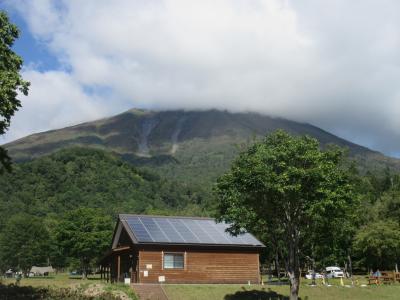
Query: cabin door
column 134, row 269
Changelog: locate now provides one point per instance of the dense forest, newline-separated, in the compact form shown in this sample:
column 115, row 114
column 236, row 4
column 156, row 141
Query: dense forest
column 39, row 197
column 79, row 177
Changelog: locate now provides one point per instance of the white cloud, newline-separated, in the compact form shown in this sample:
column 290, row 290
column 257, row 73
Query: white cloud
column 332, row 63
column 55, row 100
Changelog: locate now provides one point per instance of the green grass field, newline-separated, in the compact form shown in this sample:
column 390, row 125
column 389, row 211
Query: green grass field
column 93, row 286
column 269, row 292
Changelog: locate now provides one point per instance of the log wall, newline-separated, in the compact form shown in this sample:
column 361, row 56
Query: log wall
column 201, row 267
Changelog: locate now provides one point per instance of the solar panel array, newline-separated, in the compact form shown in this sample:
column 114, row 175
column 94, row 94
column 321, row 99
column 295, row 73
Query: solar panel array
column 184, row 231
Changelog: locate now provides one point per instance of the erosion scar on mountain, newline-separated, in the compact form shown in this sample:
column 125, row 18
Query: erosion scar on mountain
column 175, row 135
column 147, row 126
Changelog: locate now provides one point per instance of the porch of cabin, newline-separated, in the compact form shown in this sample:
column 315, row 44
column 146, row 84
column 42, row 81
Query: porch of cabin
column 119, row 264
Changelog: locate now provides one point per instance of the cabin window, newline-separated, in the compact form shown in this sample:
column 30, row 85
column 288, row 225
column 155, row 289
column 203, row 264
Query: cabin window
column 173, row 261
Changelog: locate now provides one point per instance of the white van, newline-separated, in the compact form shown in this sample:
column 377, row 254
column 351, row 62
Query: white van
column 334, row 272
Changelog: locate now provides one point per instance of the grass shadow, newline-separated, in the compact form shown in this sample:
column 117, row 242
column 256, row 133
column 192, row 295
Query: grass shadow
column 15, row 292
column 263, row 294
column 22, row 292
column 88, row 278
column 281, row 282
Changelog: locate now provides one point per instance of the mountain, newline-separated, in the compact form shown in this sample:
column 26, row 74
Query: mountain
column 193, row 146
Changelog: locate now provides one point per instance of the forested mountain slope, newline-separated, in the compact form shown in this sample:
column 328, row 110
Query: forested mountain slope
column 77, row 177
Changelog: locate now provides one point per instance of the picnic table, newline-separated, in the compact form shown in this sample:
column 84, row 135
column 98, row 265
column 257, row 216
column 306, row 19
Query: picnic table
column 385, row 277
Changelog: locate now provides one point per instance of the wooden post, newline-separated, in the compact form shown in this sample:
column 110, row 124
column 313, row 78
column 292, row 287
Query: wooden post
column 258, row 266
column 138, row 280
column 119, row 268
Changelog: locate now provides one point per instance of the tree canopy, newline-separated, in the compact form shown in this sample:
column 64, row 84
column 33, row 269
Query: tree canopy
column 378, row 244
column 84, row 234
column 11, row 81
column 24, row 242
column 285, row 187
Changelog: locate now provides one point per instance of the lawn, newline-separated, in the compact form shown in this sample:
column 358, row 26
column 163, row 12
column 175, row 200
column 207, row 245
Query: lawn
column 281, row 292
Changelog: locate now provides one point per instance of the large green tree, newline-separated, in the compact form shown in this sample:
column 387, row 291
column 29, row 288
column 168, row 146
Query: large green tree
column 287, row 187
column 24, row 242
column 84, row 234
column 11, row 81
column 378, row 244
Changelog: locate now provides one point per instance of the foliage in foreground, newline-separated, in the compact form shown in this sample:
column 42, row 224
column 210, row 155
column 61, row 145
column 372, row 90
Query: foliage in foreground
column 32, row 293
column 11, row 81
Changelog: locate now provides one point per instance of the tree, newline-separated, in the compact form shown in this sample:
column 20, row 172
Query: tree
column 388, row 206
column 286, row 186
column 378, row 244
column 24, row 242
column 84, row 234
column 11, row 81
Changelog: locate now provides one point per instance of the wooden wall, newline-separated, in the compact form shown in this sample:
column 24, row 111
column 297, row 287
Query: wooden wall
column 201, row 266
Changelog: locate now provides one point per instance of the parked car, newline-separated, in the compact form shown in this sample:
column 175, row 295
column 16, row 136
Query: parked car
column 317, row 275
column 74, row 273
column 334, row 272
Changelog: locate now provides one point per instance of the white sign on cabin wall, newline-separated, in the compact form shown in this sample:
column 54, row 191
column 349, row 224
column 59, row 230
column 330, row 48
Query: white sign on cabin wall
column 149, row 266
column 146, row 273
column 161, row 278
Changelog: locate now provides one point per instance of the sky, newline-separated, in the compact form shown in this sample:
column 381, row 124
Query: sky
column 334, row 64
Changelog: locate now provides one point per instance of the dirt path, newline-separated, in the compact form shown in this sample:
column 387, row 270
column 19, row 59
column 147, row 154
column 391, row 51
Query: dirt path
column 149, row 291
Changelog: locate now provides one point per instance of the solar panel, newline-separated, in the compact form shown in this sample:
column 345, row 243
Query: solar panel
column 169, row 230
column 185, row 231
column 175, row 230
column 199, row 232
column 139, row 230
column 219, row 235
column 154, row 230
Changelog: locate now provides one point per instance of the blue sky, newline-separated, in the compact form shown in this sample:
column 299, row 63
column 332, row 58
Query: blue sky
column 33, row 51
column 334, row 64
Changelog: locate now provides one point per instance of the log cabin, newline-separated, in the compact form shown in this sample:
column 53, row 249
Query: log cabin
column 159, row 249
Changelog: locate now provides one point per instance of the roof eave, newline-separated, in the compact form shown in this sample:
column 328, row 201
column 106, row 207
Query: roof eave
column 200, row 245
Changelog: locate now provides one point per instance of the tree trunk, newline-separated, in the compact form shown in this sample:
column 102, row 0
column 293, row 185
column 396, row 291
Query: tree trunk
column 350, row 269
column 84, row 268
column 313, row 271
column 294, row 264
column 277, row 266
column 294, row 288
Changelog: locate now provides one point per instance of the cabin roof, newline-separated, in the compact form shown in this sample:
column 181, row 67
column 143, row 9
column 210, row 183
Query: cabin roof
column 144, row 229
